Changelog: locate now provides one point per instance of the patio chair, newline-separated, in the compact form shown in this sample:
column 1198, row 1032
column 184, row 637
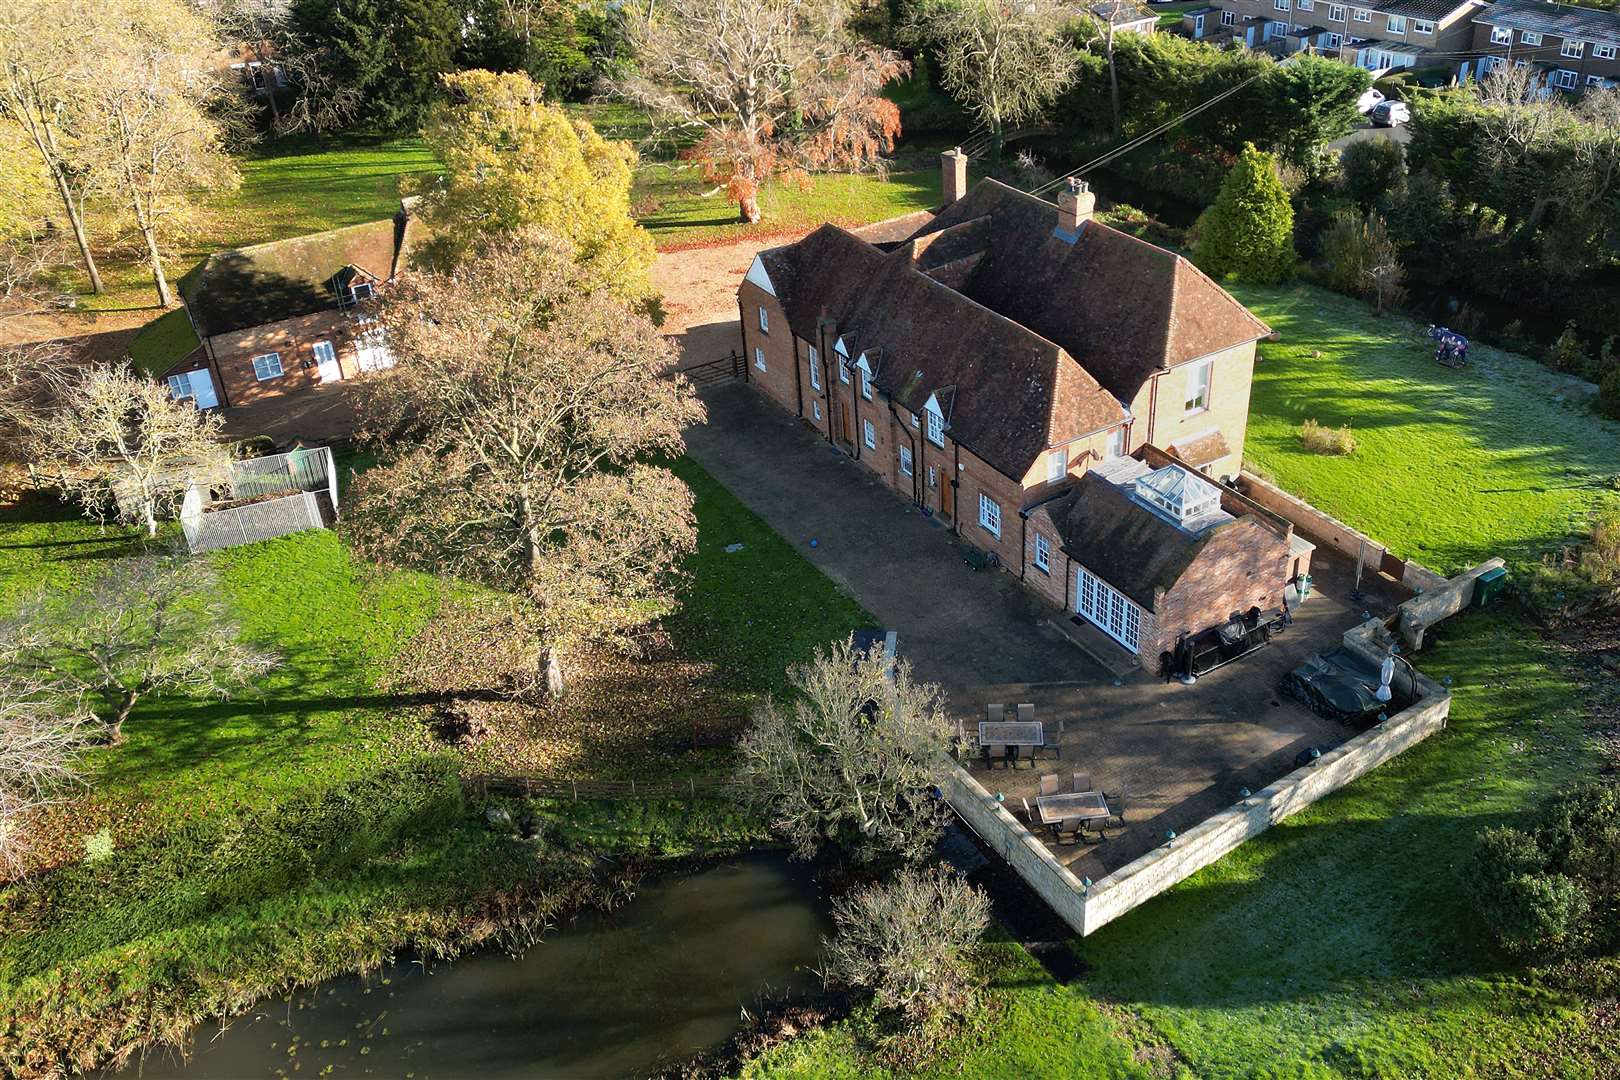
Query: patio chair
column 1082, row 782
column 1116, row 805
column 1013, row 753
column 1026, row 713
column 995, row 714
column 991, row 752
column 1050, row 742
column 1049, row 784
column 1074, row 827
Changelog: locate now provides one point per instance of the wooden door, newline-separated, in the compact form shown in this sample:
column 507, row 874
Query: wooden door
column 947, row 495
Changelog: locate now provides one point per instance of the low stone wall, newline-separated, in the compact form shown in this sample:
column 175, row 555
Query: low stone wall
column 1153, row 873
column 1440, row 602
column 1088, row 909
column 1028, row 857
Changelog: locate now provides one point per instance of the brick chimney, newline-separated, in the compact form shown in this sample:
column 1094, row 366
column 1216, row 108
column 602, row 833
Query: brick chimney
column 953, row 173
column 1075, row 206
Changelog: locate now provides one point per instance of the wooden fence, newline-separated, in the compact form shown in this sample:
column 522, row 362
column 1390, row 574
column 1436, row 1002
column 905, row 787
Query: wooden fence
column 723, row 369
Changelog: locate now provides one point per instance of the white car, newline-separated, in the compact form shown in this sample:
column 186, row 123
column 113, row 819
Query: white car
column 1390, row 114
column 1366, row 102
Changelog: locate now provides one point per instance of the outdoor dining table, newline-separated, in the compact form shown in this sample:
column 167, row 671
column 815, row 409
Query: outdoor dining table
column 1011, row 733
column 1086, row 805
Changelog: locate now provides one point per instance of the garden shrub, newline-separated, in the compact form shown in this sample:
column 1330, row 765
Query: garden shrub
column 1249, row 231
column 1568, row 353
column 1609, row 394
column 1552, row 891
column 1362, row 260
column 1373, row 169
column 1325, row 440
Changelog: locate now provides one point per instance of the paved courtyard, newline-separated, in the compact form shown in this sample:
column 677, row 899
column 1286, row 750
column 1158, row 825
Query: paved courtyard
column 1180, row 752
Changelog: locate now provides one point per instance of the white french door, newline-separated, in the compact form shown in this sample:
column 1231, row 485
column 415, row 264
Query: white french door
column 1103, row 606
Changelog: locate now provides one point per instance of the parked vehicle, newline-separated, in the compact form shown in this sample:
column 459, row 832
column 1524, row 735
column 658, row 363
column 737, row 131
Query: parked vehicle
column 1369, row 101
column 1390, row 114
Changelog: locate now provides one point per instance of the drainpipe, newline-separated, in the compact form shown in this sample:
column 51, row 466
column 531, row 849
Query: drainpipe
column 1068, row 576
column 916, row 466
column 1023, row 542
column 742, row 326
column 855, row 410
column 826, row 369
column 1153, row 405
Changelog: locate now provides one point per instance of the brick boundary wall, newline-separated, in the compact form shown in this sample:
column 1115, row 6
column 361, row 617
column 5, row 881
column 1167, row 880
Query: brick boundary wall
column 1324, row 528
column 1086, row 910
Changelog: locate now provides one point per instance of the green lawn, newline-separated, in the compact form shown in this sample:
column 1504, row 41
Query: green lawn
column 1504, row 457
column 1170, row 14
column 311, row 826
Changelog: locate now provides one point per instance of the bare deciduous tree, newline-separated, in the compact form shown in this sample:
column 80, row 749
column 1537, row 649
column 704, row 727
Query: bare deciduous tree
column 909, row 941
column 123, row 449
column 41, row 734
column 44, row 48
column 158, row 118
column 33, row 379
column 851, row 758
column 1003, row 62
column 768, row 87
column 532, row 402
column 150, row 623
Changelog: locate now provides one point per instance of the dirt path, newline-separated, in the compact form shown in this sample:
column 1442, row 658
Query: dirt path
column 699, row 284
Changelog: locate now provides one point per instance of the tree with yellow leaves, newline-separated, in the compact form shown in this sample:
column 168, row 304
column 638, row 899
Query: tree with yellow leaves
column 514, row 162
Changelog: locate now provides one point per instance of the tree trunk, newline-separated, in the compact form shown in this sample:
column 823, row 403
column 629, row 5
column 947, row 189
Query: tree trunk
column 998, row 141
column 126, row 703
column 76, row 220
column 151, row 518
column 748, row 209
column 1113, row 83
column 159, row 280
column 551, row 667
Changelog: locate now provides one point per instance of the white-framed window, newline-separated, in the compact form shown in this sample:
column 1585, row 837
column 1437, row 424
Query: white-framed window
column 1603, row 52
column 990, row 515
column 1304, row 5
column 1397, row 24
column 936, row 428
column 1594, row 80
column 360, row 291
column 1496, row 62
column 1423, row 26
column 1363, row 15
column 916, row 421
column 759, row 358
column 933, row 476
column 1335, row 40
column 843, row 372
column 815, row 369
column 866, row 385
column 267, row 366
column 1501, row 35
column 1228, row 18
column 1573, row 48
column 905, row 461
column 1529, row 37
column 1335, row 13
column 1057, row 464
column 1566, row 80
column 1281, row 5
column 324, row 353
column 869, row 434
column 764, row 320
column 1198, row 386
column 815, row 410
column 180, row 387
column 1043, row 554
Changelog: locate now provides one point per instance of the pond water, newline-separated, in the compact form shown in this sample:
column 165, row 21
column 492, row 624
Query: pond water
column 607, row 995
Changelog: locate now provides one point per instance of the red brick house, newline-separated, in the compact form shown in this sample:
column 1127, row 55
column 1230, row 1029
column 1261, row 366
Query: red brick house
column 278, row 318
column 983, row 360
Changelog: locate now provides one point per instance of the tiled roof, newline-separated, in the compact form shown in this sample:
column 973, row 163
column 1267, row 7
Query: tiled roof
column 1009, row 392
column 1202, row 449
column 1136, row 550
column 251, row 286
column 1120, row 306
column 1121, row 11
column 1560, row 20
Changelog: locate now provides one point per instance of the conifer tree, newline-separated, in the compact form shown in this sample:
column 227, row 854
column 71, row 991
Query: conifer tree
column 1249, row 231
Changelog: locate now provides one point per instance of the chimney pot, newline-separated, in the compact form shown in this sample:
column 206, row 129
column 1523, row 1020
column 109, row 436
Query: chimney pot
column 953, row 174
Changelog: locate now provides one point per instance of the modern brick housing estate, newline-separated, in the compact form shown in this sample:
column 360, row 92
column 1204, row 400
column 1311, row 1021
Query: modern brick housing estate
column 1015, row 367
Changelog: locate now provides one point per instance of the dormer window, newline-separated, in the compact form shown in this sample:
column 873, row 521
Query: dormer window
column 350, row 295
column 936, row 426
column 866, row 385
column 1178, row 495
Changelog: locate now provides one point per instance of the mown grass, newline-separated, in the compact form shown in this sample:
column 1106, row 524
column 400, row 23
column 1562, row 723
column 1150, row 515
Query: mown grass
column 1503, row 457
column 311, row 826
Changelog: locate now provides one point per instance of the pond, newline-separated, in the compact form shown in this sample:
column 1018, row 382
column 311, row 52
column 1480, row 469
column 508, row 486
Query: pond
column 607, row 995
